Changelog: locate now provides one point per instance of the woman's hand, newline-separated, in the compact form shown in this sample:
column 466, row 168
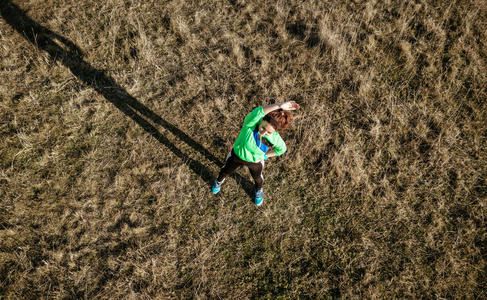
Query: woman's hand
column 290, row 105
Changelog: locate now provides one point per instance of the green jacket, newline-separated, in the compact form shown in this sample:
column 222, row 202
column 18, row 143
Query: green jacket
column 246, row 147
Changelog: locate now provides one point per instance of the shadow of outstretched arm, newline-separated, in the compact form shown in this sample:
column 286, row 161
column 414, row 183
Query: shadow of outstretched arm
column 71, row 57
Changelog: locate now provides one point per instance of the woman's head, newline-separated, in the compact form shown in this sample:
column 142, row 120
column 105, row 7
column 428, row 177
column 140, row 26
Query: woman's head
column 280, row 119
column 276, row 120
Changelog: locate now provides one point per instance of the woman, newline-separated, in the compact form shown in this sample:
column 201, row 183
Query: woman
column 251, row 150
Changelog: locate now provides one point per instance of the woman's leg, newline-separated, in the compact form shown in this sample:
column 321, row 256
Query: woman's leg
column 256, row 172
column 231, row 165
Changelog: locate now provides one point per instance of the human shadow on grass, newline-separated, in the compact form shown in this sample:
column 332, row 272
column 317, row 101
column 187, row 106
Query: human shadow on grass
column 67, row 53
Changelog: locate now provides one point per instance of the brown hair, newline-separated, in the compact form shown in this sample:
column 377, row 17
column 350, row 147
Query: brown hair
column 282, row 117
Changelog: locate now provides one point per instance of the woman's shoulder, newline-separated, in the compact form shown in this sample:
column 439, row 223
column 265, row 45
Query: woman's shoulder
column 254, row 116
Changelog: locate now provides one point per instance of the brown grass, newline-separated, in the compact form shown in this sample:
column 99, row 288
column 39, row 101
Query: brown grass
column 117, row 115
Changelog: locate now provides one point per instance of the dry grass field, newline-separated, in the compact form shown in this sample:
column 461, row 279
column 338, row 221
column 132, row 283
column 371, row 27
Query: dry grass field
column 116, row 116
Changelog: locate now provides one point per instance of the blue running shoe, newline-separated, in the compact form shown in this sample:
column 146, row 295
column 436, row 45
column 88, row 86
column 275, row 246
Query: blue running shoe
column 259, row 197
column 216, row 187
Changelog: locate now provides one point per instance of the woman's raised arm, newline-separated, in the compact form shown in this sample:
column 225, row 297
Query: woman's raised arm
column 289, row 105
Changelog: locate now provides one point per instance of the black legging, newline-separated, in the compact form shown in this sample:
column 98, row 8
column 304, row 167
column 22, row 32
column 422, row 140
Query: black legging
column 234, row 162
